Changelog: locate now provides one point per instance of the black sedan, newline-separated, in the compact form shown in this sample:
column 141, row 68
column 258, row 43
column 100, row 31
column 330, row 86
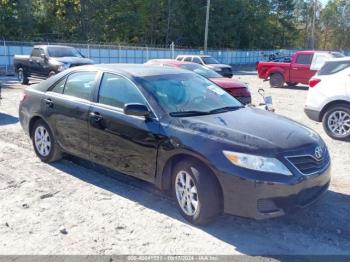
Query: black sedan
column 183, row 133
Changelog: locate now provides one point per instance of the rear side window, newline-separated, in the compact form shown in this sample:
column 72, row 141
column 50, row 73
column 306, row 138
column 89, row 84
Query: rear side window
column 179, row 58
column 304, row 59
column 80, row 84
column 117, row 91
column 59, row 87
column 334, row 67
column 188, row 59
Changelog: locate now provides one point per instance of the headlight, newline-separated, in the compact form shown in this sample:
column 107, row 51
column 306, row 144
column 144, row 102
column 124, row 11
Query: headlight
column 258, row 163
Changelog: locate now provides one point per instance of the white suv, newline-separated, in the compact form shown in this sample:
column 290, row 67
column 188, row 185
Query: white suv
column 328, row 99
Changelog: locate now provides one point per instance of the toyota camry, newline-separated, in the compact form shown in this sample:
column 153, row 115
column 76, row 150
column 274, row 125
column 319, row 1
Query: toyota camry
column 181, row 132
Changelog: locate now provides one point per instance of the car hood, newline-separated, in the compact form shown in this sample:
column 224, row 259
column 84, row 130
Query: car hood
column 225, row 82
column 74, row 60
column 218, row 66
column 253, row 130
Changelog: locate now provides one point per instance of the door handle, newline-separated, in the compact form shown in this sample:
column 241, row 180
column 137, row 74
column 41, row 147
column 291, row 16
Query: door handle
column 295, row 68
column 48, row 102
column 96, row 116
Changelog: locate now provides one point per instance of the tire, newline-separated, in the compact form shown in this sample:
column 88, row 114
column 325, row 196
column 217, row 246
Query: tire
column 51, row 73
column 22, row 77
column 52, row 152
column 204, row 190
column 291, row 84
column 336, row 122
column 276, row 80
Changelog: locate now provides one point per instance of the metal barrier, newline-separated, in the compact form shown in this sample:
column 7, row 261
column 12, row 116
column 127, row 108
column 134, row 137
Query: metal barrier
column 104, row 53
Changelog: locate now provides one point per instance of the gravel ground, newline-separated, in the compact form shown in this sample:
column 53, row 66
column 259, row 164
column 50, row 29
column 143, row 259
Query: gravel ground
column 72, row 207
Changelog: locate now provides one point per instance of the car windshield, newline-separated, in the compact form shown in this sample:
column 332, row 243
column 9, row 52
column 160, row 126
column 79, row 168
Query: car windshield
column 201, row 70
column 63, row 52
column 188, row 94
column 209, row 60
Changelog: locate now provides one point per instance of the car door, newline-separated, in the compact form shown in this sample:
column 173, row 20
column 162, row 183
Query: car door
column 122, row 142
column 300, row 69
column 66, row 108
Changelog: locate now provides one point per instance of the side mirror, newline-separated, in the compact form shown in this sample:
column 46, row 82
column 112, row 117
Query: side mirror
column 43, row 56
column 136, row 110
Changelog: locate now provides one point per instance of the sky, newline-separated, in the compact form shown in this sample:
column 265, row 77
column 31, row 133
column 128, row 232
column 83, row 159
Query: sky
column 324, row 2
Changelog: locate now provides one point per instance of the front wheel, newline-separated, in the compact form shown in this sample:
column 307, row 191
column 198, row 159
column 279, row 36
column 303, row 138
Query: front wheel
column 21, row 76
column 44, row 143
column 197, row 192
column 336, row 122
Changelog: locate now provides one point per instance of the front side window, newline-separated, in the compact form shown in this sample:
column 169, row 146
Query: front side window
column 304, row 59
column 196, row 60
column 117, row 91
column 187, row 92
column 188, row 59
column 210, row 60
column 80, row 84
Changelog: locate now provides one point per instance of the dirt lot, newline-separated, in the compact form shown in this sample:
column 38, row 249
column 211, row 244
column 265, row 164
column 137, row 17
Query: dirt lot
column 114, row 214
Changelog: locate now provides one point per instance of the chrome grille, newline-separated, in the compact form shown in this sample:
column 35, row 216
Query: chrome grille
column 308, row 164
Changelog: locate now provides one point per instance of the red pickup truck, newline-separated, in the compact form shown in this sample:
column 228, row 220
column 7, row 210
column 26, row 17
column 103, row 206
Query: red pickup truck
column 303, row 66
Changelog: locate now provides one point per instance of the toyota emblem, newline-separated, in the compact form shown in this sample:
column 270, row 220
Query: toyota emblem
column 318, row 153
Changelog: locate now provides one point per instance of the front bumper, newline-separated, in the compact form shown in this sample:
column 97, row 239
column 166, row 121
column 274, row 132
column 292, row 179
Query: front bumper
column 261, row 200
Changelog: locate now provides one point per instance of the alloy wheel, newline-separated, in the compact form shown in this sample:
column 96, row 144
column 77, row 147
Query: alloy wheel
column 42, row 141
column 339, row 123
column 186, row 193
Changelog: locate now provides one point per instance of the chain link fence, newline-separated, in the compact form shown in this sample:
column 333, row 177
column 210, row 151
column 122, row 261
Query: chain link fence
column 107, row 53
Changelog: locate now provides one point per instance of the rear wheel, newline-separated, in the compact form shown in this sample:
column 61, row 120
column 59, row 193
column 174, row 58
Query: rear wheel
column 196, row 191
column 276, row 80
column 21, row 76
column 336, row 122
column 44, row 143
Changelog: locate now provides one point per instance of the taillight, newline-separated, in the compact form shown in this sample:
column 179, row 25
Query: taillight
column 314, row 82
column 23, row 97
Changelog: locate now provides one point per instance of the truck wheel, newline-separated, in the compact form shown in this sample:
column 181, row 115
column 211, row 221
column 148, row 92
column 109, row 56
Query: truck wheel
column 22, row 78
column 336, row 122
column 52, row 73
column 291, row 84
column 276, row 80
column 197, row 192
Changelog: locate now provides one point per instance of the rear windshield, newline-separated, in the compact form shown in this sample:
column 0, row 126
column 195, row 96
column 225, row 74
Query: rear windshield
column 333, row 67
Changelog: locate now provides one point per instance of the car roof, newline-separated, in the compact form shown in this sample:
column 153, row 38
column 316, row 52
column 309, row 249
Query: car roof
column 194, row 55
column 46, row 46
column 134, row 70
column 170, row 61
column 341, row 59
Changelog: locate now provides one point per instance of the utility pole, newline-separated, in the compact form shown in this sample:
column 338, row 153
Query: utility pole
column 313, row 25
column 206, row 27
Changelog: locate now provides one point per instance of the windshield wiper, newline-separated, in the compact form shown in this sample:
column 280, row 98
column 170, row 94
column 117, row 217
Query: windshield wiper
column 188, row 113
column 224, row 109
